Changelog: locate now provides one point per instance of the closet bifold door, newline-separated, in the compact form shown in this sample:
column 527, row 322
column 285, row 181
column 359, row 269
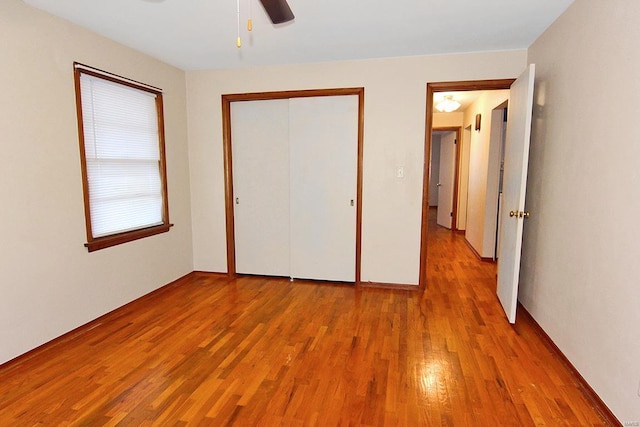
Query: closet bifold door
column 323, row 150
column 260, row 156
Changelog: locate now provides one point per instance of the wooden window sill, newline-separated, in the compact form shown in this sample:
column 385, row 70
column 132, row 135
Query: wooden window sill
column 129, row 236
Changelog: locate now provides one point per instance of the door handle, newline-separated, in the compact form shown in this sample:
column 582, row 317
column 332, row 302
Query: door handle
column 438, row 185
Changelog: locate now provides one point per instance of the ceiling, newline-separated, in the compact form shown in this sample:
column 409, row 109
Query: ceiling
column 201, row 34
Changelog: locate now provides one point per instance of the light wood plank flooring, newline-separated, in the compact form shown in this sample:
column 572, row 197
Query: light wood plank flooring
column 251, row 351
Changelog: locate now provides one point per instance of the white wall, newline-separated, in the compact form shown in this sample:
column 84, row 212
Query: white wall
column 49, row 283
column 580, row 276
column 483, row 180
column 395, row 96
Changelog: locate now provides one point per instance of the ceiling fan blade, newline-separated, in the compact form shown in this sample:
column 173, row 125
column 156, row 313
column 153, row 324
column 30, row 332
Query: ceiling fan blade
column 278, row 10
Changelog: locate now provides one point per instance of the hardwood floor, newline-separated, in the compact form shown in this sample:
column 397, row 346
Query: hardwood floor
column 214, row 351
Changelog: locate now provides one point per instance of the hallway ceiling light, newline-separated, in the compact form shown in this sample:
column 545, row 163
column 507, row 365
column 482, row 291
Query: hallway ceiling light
column 448, row 104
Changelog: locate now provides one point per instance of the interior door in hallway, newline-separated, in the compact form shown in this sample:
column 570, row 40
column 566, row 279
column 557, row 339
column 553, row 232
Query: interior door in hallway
column 260, row 152
column 446, row 179
column 516, row 160
column 323, row 134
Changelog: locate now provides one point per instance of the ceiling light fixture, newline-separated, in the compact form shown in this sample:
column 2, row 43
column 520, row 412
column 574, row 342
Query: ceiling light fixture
column 448, row 104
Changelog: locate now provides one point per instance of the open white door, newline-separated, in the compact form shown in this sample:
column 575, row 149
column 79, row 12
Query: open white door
column 446, row 179
column 516, row 160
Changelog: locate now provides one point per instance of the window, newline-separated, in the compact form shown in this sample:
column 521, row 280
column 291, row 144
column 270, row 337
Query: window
column 120, row 124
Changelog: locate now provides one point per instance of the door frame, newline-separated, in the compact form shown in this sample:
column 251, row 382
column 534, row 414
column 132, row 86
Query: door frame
column 453, row 86
column 456, row 171
column 228, row 163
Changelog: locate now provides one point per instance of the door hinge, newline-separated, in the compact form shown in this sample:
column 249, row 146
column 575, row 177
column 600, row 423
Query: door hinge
column 455, row 141
column 451, row 214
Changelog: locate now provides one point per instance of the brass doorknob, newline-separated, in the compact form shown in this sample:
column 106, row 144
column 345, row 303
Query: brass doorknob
column 519, row 214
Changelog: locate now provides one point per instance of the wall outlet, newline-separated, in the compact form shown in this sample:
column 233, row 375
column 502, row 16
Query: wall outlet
column 400, row 172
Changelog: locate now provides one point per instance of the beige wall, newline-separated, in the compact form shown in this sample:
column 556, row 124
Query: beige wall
column 49, row 283
column 443, row 120
column 580, row 274
column 483, row 173
column 395, row 95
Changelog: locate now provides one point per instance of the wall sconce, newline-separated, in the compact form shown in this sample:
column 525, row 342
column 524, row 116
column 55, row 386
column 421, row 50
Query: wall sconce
column 478, row 117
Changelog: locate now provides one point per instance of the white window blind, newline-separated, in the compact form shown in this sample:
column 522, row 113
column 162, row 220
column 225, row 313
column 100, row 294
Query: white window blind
column 122, row 154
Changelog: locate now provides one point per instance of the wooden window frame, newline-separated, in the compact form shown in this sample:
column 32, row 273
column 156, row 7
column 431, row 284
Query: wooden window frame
column 102, row 242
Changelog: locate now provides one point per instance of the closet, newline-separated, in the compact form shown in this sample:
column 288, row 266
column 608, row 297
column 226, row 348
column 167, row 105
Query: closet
column 295, row 169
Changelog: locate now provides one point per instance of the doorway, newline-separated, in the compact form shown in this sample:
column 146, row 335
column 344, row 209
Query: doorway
column 445, row 175
column 499, row 139
column 479, row 85
column 298, row 96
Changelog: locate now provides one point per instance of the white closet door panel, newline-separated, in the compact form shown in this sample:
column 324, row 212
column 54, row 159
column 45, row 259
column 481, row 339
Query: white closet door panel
column 323, row 133
column 260, row 157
